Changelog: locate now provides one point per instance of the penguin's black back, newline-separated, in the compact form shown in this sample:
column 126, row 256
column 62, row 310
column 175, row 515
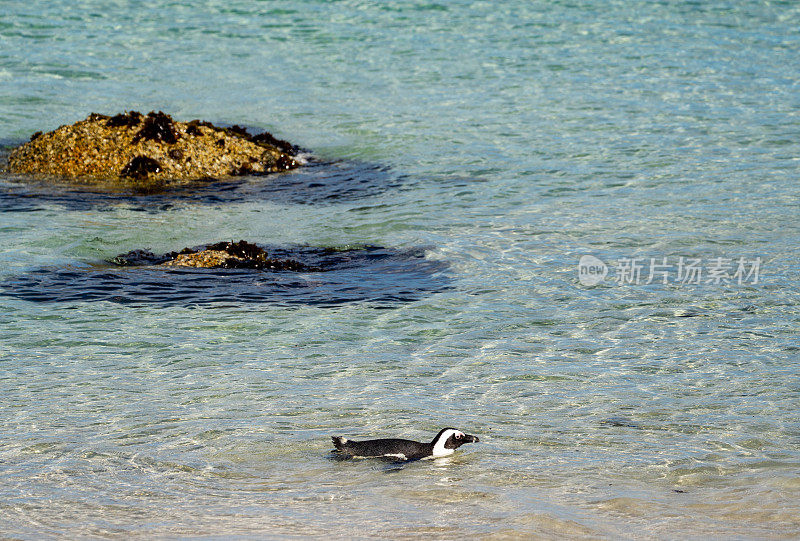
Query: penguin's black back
column 390, row 447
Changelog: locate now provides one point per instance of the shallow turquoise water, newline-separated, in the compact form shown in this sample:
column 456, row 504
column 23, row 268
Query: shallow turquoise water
column 506, row 141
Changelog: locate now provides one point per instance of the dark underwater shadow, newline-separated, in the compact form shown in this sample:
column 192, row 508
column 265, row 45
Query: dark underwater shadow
column 317, row 182
column 384, row 277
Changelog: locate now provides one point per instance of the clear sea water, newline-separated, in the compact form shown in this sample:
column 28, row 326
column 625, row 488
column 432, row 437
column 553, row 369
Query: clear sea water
column 486, row 147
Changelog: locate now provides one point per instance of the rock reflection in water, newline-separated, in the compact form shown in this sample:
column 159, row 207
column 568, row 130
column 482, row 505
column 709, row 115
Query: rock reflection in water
column 316, row 183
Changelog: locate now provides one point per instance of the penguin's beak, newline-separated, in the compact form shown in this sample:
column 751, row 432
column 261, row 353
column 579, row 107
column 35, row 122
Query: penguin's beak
column 469, row 438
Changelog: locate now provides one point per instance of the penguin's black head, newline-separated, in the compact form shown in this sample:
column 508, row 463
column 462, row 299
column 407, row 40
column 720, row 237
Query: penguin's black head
column 450, row 438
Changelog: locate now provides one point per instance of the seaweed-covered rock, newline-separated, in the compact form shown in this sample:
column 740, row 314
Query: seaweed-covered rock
column 328, row 276
column 152, row 149
column 222, row 255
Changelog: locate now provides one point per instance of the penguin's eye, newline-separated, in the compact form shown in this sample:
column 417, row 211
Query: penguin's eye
column 458, row 436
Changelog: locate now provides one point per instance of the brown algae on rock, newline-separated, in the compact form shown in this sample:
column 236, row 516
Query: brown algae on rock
column 205, row 259
column 153, row 149
column 222, row 255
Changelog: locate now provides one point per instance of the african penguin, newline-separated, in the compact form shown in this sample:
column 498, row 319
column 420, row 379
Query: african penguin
column 445, row 442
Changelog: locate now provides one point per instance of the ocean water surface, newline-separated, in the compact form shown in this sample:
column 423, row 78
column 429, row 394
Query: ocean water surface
column 482, row 149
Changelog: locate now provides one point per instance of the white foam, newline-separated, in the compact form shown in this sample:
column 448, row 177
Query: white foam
column 302, row 157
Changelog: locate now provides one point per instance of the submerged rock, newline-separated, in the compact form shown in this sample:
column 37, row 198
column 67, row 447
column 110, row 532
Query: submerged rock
column 149, row 151
column 222, row 255
column 328, row 276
